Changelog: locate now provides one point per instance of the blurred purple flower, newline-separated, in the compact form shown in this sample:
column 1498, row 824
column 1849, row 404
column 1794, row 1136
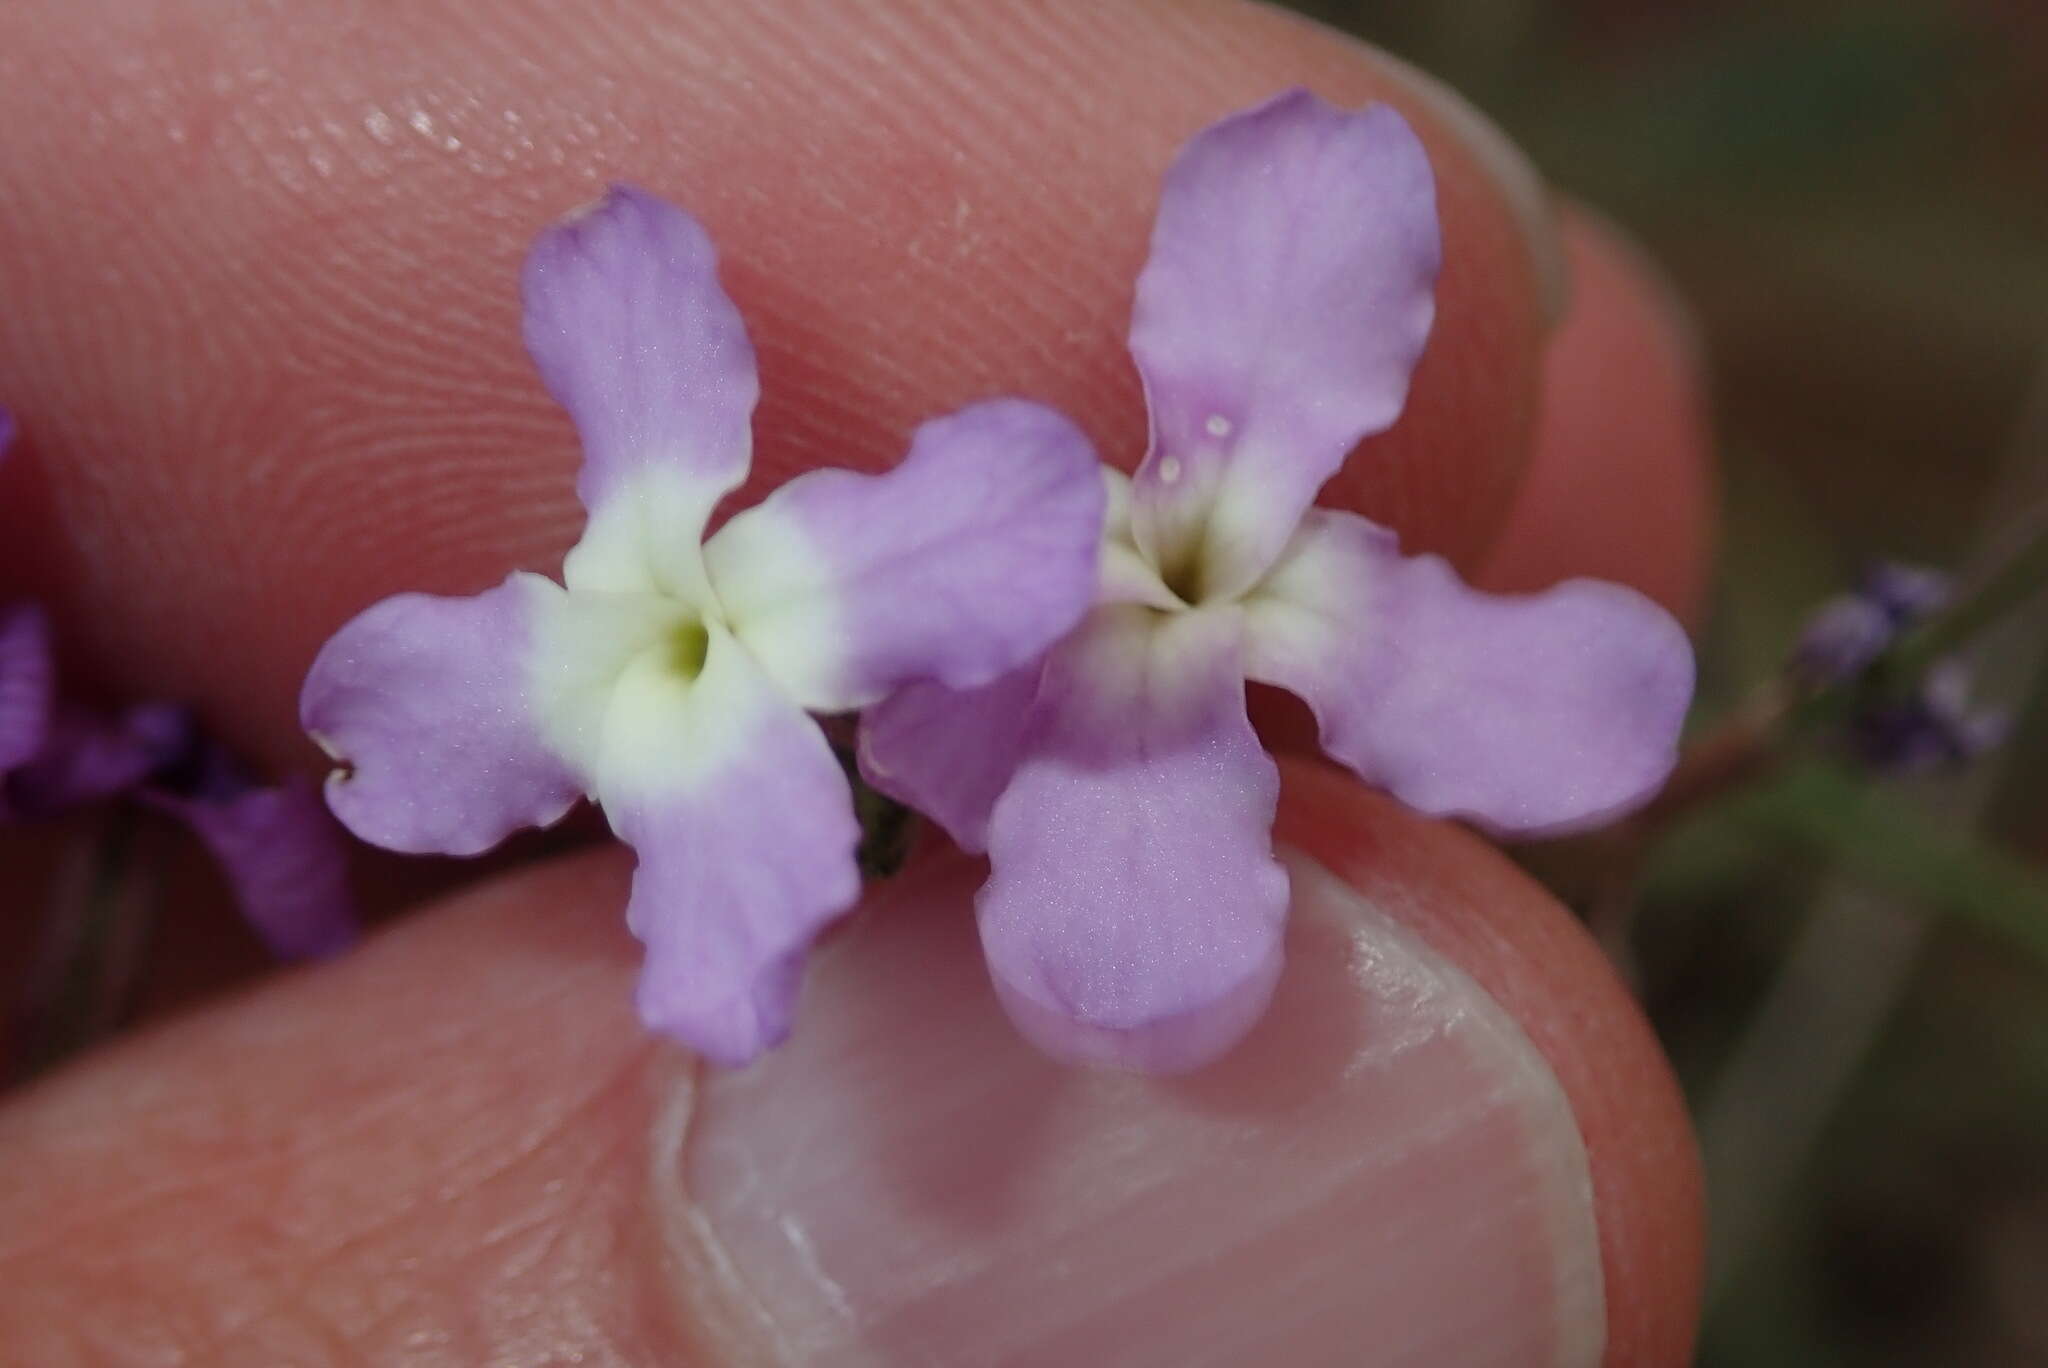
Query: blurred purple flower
column 668, row 676
column 1134, row 911
column 283, row 856
column 1938, row 725
column 1850, row 631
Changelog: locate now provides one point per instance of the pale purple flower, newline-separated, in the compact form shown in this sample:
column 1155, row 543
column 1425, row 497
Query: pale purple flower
column 1134, row 910
column 1850, row 631
column 282, row 855
column 668, row 676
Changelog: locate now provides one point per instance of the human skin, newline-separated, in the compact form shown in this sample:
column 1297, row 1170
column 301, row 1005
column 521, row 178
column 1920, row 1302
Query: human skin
column 261, row 334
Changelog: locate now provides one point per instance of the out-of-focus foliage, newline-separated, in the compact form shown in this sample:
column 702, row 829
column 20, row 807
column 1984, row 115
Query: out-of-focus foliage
column 1853, row 196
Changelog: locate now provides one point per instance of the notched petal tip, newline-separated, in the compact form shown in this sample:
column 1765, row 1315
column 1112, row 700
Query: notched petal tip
column 618, row 196
column 608, row 224
column 343, row 766
column 425, row 701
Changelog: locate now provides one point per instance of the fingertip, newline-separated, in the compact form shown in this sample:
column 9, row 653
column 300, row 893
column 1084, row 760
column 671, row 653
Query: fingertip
column 1620, row 485
column 308, row 233
column 1539, row 963
column 1452, row 1141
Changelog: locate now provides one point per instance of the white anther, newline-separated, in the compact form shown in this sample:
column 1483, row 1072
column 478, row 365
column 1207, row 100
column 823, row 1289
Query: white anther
column 1169, row 470
column 1217, row 426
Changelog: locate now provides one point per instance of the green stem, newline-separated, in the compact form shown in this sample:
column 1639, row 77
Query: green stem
column 1767, row 728
column 1887, row 844
column 90, row 952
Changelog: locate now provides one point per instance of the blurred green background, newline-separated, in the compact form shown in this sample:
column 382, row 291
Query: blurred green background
column 1853, row 197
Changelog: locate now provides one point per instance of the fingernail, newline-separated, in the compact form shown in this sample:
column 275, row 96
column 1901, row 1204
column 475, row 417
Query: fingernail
column 1527, row 193
column 1385, row 1172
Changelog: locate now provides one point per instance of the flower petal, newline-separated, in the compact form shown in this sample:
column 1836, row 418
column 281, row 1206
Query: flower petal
column 968, row 559
column 426, row 703
column 743, row 822
column 1134, row 912
column 1286, row 301
column 284, row 859
column 1938, row 726
column 284, row 856
column 950, row 753
column 86, row 756
column 635, row 337
column 1907, row 593
column 1841, row 639
column 1539, row 712
column 28, row 684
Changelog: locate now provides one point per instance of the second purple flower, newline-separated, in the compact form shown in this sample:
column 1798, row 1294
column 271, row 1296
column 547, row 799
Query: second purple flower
column 1134, row 910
